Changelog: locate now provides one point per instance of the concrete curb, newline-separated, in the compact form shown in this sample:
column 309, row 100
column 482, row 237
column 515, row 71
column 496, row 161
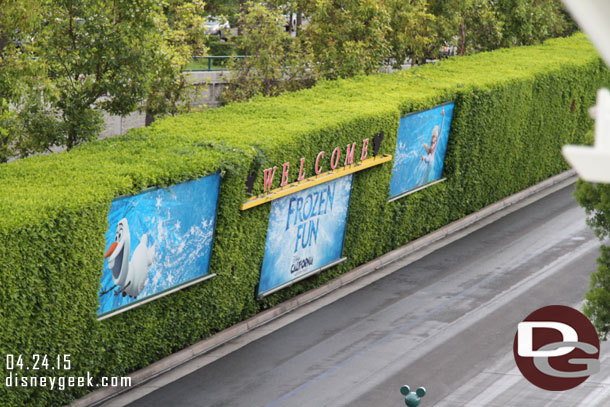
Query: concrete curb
column 207, row 350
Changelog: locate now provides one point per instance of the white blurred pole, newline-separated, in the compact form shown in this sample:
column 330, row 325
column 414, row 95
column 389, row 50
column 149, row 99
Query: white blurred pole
column 593, row 16
column 593, row 163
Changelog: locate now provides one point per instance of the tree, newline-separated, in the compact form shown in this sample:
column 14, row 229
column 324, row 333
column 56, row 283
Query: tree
column 183, row 37
column 529, row 22
column 274, row 62
column 349, row 37
column 6, row 133
column 474, row 24
column 79, row 59
column 228, row 8
column 99, row 56
column 293, row 12
column 17, row 20
column 414, row 31
column 595, row 198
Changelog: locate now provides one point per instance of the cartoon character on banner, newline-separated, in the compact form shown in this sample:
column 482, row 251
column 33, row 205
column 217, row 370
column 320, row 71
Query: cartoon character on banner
column 128, row 275
column 428, row 158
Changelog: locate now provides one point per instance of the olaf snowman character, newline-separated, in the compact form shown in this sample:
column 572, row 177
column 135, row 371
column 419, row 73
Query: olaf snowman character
column 129, row 275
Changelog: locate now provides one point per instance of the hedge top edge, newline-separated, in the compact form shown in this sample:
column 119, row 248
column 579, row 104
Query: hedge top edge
column 190, row 146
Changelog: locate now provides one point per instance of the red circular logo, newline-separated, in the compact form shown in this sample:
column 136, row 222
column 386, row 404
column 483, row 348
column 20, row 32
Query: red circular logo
column 556, row 348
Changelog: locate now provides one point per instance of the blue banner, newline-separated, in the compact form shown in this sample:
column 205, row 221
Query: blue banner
column 158, row 240
column 305, row 232
column 421, row 147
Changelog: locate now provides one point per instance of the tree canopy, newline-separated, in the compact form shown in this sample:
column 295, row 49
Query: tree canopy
column 273, row 61
column 65, row 62
column 595, row 198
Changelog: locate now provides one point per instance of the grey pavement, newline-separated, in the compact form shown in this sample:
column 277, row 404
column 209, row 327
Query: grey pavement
column 445, row 322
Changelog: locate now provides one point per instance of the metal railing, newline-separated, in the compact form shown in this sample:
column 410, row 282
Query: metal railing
column 210, row 63
column 220, row 63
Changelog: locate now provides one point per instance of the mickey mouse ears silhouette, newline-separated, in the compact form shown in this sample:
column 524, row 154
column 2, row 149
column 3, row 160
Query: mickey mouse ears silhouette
column 412, row 399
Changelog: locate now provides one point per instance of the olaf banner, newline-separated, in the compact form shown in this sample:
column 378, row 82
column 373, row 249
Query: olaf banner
column 420, row 150
column 157, row 242
column 305, row 233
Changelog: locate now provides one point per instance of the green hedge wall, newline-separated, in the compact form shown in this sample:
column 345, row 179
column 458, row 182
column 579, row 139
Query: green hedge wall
column 514, row 109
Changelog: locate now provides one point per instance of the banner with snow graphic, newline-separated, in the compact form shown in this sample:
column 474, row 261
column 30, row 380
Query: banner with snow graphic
column 420, row 150
column 305, row 233
column 157, row 242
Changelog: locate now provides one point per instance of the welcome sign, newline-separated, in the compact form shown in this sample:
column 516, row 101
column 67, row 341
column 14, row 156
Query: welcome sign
column 305, row 234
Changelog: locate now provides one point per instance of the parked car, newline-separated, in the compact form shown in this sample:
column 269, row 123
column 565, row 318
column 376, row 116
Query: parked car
column 217, row 26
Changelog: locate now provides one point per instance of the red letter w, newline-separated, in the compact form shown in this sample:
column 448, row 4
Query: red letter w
column 269, row 173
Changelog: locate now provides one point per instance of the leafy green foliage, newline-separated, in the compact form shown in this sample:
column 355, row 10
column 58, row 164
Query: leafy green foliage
column 475, row 24
column 218, row 47
column 70, row 61
column 348, row 37
column 414, row 31
column 529, row 22
column 482, row 25
column 597, row 305
column 6, row 133
column 53, row 209
column 183, row 33
column 595, row 198
column 97, row 58
column 273, row 61
column 18, row 70
column 351, row 38
column 227, row 8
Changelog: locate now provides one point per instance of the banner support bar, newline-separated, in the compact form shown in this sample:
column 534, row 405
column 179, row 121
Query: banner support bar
column 313, row 181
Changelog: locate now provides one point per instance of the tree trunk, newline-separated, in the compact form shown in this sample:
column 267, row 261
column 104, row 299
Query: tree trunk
column 4, row 40
column 463, row 38
column 149, row 119
column 297, row 29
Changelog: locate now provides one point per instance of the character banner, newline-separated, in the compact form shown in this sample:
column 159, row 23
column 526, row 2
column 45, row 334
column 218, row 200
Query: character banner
column 420, row 151
column 157, row 242
column 305, row 234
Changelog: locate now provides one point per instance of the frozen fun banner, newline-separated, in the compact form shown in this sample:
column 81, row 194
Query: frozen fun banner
column 305, row 233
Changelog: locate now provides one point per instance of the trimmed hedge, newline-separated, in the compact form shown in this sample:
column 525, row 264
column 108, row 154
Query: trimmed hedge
column 514, row 109
column 218, row 47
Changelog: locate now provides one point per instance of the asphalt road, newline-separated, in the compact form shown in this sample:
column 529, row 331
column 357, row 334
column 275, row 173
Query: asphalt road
column 445, row 322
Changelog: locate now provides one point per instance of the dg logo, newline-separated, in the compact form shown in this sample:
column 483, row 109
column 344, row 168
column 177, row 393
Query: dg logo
column 556, row 348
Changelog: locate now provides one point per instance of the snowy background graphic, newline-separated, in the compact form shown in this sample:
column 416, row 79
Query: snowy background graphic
column 179, row 223
column 409, row 170
column 280, row 255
